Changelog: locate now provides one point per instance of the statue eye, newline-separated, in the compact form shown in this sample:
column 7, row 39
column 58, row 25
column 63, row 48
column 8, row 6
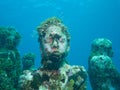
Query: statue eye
column 50, row 40
column 62, row 40
column 45, row 41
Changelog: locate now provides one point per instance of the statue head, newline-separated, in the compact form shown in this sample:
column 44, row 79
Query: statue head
column 101, row 46
column 54, row 40
column 28, row 61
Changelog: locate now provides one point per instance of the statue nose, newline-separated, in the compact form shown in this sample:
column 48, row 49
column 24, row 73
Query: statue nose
column 55, row 44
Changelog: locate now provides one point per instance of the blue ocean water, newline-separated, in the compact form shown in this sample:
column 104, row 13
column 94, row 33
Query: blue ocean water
column 85, row 19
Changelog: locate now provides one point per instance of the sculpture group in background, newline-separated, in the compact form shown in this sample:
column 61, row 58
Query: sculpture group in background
column 55, row 73
column 102, row 73
column 10, row 67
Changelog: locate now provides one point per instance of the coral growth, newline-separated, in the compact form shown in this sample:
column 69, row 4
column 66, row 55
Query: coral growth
column 66, row 78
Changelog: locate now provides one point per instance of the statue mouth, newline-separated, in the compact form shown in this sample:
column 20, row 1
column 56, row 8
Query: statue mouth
column 55, row 49
column 56, row 55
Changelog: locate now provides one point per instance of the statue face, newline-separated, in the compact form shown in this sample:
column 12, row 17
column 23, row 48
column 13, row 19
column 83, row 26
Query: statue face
column 54, row 42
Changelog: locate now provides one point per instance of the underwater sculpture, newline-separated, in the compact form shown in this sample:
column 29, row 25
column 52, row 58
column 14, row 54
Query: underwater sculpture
column 10, row 67
column 55, row 73
column 28, row 61
column 102, row 72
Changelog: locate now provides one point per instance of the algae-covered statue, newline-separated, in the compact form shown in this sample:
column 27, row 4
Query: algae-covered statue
column 10, row 67
column 28, row 61
column 55, row 73
column 102, row 72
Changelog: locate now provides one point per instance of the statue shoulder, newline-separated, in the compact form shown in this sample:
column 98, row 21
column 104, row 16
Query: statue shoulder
column 79, row 75
column 25, row 79
column 78, row 70
column 29, row 79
